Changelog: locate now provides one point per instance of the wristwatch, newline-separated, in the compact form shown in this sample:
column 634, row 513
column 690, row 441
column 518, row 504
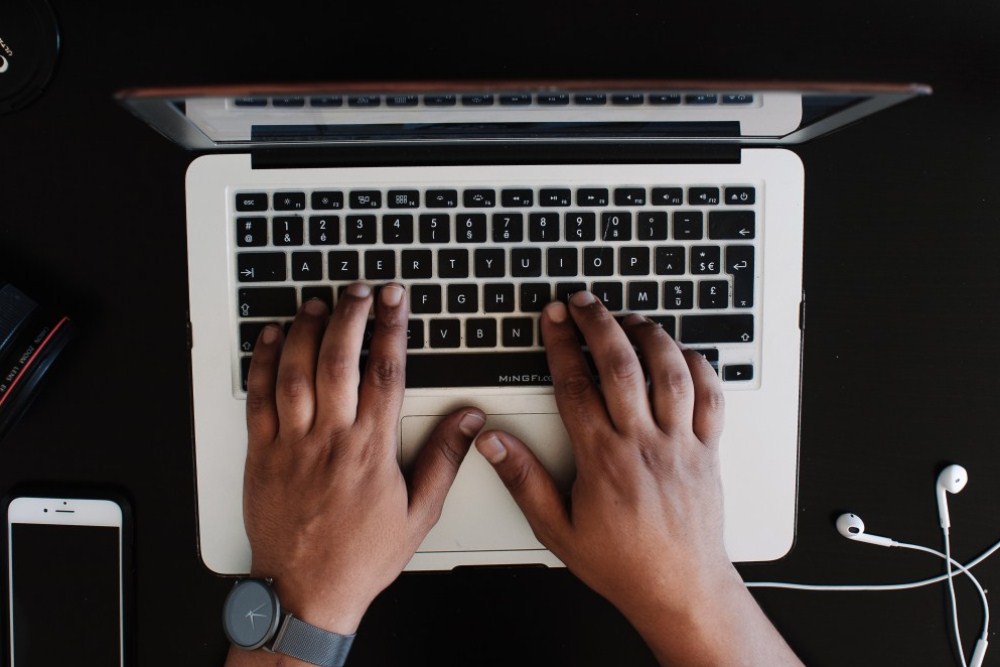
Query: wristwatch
column 252, row 618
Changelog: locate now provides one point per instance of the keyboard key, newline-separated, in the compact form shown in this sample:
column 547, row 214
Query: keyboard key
column 616, row 226
column 669, row 324
column 669, row 260
column 711, row 355
column 258, row 267
column 553, row 99
column 688, row 225
column 678, row 295
column 555, row 197
column 470, row 228
column 739, row 98
column 543, row 227
column 288, row 101
column 716, row 329
column 445, row 100
column 517, row 198
column 463, row 298
column 561, row 262
column 287, row 231
column 740, row 196
column 289, row 201
column 414, row 334
column 489, row 263
column 366, row 199
column 643, row 295
column 250, row 101
column 508, row 227
column 534, row 296
column 667, row 197
column 515, row 99
column 321, row 292
column 327, row 199
column 480, row 332
column 360, row 229
column 516, row 331
column 397, row 229
column 401, row 100
column 702, row 98
column 566, row 290
column 343, row 265
column 477, row 369
column 630, row 197
column 267, row 302
column 705, row 259
column 731, row 225
column 477, row 100
column 581, row 227
column 441, row 198
column 652, row 226
column 592, row 197
column 590, row 99
column 417, row 264
column 425, row 299
column 364, row 101
column 610, row 294
column 739, row 264
column 251, row 201
column 498, row 297
column 453, row 263
column 403, row 198
column 307, row 266
column 435, row 228
column 598, row 261
column 326, row 101
column 244, row 371
column 441, row 333
column 479, row 198
column 526, row 262
column 251, row 231
column 703, row 196
column 627, row 99
column 380, row 264
column 324, row 230
column 633, row 261
column 713, row 294
column 665, row 98
column 249, row 333
column 737, row 372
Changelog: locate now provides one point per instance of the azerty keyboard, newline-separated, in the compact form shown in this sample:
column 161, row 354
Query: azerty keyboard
column 480, row 263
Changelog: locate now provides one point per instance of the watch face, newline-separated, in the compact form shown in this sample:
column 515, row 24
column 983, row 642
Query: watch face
column 250, row 615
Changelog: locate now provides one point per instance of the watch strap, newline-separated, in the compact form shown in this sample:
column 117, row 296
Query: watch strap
column 299, row 639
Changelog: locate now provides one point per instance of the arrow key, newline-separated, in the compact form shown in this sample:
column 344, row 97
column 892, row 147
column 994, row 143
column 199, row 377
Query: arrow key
column 260, row 267
column 737, row 372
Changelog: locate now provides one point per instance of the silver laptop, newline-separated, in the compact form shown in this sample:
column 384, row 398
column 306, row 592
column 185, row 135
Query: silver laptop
column 674, row 200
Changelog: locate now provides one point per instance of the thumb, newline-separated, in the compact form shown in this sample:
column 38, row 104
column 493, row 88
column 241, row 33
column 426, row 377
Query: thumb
column 530, row 484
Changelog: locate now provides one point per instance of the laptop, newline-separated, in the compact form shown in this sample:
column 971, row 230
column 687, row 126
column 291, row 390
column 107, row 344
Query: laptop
column 677, row 200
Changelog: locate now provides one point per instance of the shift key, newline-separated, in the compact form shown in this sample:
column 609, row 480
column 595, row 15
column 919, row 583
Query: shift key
column 716, row 329
column 267, row 302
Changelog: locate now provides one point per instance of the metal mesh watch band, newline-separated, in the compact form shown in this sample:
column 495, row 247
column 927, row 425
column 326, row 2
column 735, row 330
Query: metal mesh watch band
column 298, row 639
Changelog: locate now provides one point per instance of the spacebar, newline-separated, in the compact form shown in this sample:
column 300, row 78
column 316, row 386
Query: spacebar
column 483, row 369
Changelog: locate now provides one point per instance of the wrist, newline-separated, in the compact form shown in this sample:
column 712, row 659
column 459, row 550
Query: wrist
column 332, row 609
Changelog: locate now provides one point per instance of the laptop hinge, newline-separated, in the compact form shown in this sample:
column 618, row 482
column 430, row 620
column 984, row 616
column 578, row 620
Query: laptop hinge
column 499, row 154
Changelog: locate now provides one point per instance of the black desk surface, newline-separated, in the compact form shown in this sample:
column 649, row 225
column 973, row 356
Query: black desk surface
column 901, row 369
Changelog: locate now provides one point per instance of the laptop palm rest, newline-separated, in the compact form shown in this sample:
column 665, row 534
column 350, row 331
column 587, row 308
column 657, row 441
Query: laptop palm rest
column 479, row 513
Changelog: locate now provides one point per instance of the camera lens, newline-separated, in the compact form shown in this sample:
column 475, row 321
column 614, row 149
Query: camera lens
column 31, row 339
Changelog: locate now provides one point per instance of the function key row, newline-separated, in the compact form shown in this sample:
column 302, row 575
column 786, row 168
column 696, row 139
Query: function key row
column 489, row 99
column 509, row 198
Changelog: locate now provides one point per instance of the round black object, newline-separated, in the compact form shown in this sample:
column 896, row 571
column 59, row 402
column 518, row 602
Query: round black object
column 31, row 339
column 29, row 47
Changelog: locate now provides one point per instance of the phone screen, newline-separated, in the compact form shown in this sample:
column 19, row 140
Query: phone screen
column 65, row 595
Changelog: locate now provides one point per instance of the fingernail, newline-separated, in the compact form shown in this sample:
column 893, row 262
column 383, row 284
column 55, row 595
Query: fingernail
column 556, row 311
column 358, row 290
column 391, row 294
column 633, row 318
column 492, row 449
column 269, row 334
column 471, row 424
column 314, row 307
column 582, row 298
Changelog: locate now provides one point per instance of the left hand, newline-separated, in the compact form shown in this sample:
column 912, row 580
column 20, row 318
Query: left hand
column 327, row 510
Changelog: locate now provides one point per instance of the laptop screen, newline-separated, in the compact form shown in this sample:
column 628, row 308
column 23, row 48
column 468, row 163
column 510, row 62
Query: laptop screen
column 387, row 113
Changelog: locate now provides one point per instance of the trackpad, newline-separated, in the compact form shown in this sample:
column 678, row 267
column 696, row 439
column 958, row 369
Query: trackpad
column 479, row 514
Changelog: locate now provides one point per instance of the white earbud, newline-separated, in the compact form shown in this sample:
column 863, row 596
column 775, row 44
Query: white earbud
column 952, row 479
column 853, row 528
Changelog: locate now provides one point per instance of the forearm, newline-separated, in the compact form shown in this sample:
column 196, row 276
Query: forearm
column 261, row 658
column 724, row 626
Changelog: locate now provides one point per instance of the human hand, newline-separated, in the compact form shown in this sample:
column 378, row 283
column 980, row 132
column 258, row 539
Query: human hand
column 643, row 526
column 327, row 510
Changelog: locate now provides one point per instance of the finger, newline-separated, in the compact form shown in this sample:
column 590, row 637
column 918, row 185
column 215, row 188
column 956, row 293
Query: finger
column 709, row 402
column 530, row 484
column 671, row 388
column 262, row 411
column 296, row 390
column 623, row 384
column 580, row 403
column 437, row 465
column 338, row 374
column 381, row 394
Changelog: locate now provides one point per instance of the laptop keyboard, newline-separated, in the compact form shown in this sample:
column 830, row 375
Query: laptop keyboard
column 480, row 263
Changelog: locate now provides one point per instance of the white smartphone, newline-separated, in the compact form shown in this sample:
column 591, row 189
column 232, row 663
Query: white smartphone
column 65, row 582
